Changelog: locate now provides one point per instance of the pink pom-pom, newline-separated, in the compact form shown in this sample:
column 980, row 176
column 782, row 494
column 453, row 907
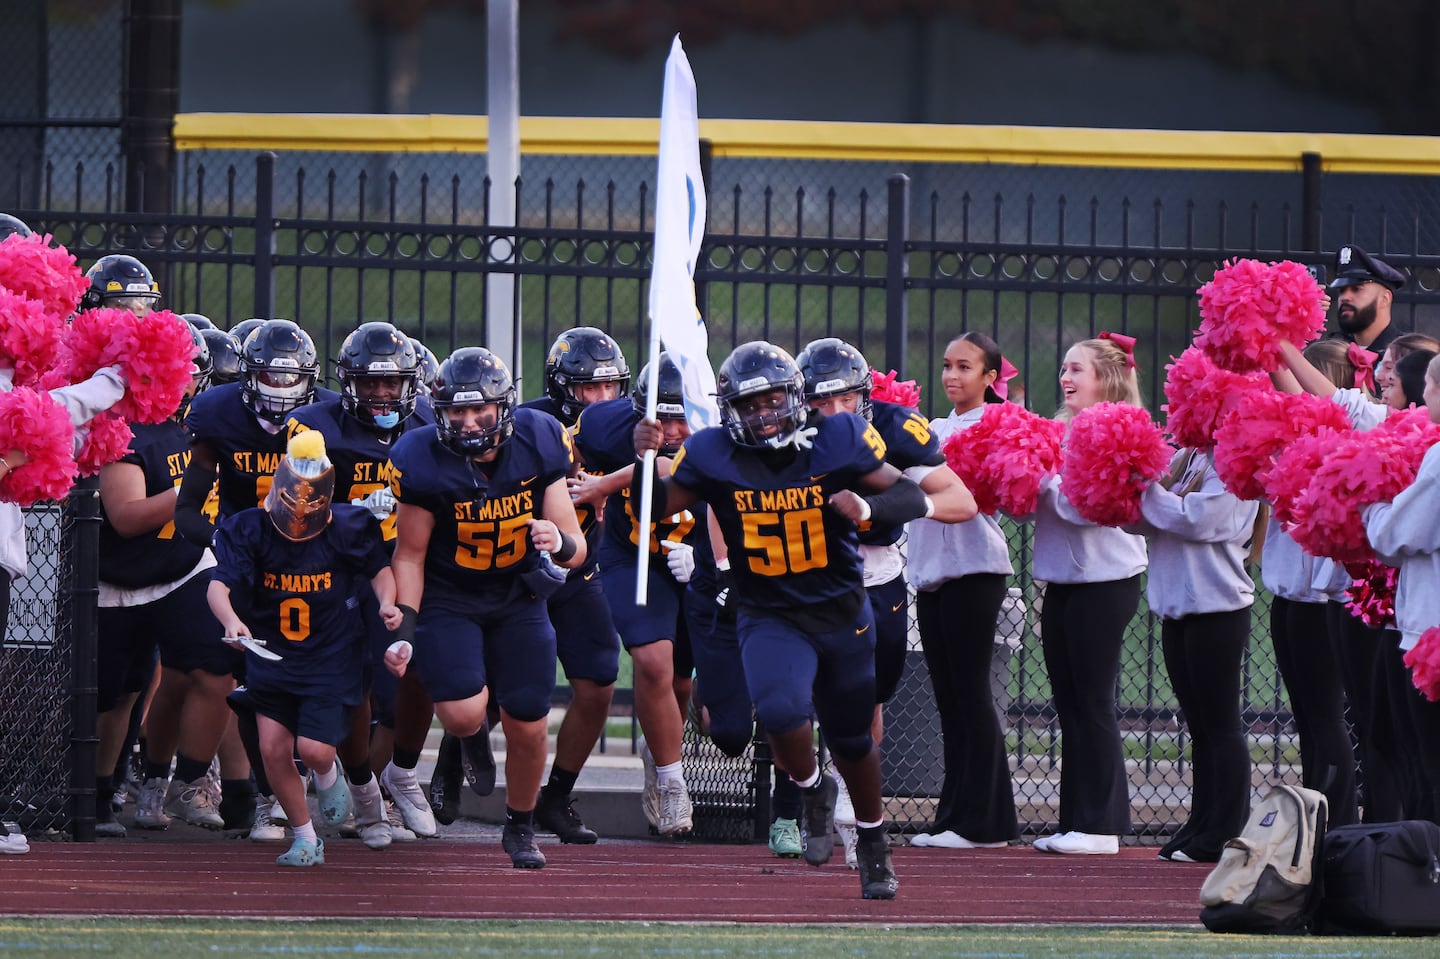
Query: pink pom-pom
column 1200, row 393
column 1005, row 457
column 29, row 336
column 1372, row 593
column 886, row 390
column 1113, row 452
column 1246, row 445
column 107, row 440
column 1293, row 470
column 1359, row 469
column 154, row 355
column 1250, row 308
column 33, row 422
column 33, row 268
column 1424, row 663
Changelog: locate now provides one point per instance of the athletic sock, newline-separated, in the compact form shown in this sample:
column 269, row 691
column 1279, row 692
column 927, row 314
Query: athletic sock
column 405, row 758
column 188, row 770
column 562, row 781
column 327, row 779
column 670, row 772
column 514, row 817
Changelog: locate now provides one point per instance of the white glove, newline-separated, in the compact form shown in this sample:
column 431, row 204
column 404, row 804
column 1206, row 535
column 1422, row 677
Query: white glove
column 681, row 558
column 380, row 503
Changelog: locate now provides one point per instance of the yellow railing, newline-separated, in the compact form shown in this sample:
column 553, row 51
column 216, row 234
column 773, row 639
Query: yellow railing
column 800, row 140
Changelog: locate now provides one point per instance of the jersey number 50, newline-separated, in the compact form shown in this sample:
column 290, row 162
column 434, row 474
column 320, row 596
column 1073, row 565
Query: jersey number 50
column 789, row 542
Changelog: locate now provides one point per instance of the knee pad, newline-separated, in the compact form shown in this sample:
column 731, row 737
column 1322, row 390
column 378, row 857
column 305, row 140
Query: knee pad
column 851, row 748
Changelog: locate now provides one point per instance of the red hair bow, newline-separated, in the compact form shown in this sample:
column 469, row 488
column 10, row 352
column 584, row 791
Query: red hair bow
column 1001, row 386
column 1126, row 344
column 1364, row 362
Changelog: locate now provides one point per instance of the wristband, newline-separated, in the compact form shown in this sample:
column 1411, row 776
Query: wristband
column 929, row 507
column 565, row 550
column 723, row 565
column 865, row 511
column 408, row 617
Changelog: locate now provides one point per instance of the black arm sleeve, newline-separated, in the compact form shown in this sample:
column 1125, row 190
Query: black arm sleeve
column 897, row 505
column 661, row 490
column 190, row 518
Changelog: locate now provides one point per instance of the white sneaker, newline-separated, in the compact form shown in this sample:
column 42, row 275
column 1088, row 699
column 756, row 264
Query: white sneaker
column 399, row 832
column 1082, row 844
column 266, row 828
column 1043, row 843
column 369, row 817
column 12, row 840
column 953, row 840
column 650, row 795
column 845, row 823
column 404, row 788
column 675, row 809
column 150, row 807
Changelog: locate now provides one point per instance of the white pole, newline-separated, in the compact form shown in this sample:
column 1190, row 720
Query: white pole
column 502, row 309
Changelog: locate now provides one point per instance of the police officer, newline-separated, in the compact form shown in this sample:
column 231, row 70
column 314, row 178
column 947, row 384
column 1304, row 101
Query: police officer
column 1364, row 289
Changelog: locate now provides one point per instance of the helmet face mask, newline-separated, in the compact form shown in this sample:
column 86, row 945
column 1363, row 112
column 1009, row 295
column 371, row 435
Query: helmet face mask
column 299, row 499
column 669, row 401
column 582, row 356
column 119, row 281
column 473, row 378
column 830, row 368
column 379, row 373
column 760, row 395
column 280, row 368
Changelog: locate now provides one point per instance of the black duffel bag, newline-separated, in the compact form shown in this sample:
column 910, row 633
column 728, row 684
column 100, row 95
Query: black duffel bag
column 1381, row 878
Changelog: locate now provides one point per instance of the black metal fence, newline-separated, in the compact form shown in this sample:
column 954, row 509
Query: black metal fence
column 897, row 263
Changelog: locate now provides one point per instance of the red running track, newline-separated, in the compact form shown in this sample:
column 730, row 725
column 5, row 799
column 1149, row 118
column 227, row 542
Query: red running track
column 611, row 881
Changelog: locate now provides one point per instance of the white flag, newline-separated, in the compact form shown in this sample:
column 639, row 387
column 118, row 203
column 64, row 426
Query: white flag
column 679, row 229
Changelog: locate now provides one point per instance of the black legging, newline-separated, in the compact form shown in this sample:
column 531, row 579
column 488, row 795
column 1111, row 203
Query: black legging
column 1419, row 721
column 957, row 630
column 1203, row 653
column 1082, row 631
column 1317, row 699
column 1385, row 764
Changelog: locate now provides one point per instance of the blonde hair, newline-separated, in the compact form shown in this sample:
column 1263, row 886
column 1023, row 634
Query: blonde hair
column 1332, row 358
column 1114, row 371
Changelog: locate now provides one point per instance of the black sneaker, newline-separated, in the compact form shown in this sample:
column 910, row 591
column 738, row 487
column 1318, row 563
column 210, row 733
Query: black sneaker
column 445, row 783
column 557, row 814
column 238, row 811
column 519, row 842
column 877, row 876
column 479, row 761
column 817, row 817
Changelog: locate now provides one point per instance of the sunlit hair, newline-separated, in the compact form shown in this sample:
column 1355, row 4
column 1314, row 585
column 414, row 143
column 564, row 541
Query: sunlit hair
column 1331, row 358
column 1118, row 380
column 1403, row 346
column 1410, row 372
column 991, row 351
column 1432, row 372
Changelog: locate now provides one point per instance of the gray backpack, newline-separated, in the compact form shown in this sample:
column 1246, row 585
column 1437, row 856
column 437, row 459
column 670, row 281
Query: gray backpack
column 1267, row 880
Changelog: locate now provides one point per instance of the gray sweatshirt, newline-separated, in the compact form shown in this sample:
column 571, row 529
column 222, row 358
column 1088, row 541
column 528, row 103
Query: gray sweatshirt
column 1198, row 544
column 936, row 552
column 1071, row 549
column 1406, row 533
column 1291, row 573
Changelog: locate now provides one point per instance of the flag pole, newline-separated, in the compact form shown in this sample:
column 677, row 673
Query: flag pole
column 647, row 487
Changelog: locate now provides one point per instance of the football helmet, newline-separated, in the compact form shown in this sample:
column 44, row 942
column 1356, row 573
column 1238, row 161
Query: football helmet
column 201, row 368
column 299, row 499
column 242, row 330
column 280, row 369
column 752, row 369
column 122, row 282
column 11, row 225
column 429, row 365
column 473, row 376
column 583, row 355
column 224, row 356
column 374, row 351
column 669, row 396
column 831, row 367
column 198, row 320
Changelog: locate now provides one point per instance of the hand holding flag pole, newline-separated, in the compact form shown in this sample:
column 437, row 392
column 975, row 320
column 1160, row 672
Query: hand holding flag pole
column 674, row 319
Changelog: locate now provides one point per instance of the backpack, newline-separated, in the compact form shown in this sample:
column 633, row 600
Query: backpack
column 1267, row 877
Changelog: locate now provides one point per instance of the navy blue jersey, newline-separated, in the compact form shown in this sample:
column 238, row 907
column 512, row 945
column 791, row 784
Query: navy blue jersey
column 480, row 543
column 245, row 451
column 162, row 451
column 908, row 442
column 590, row 522
column 300, row 598
column 788, row 548
column 604, row 442
column 361, row 455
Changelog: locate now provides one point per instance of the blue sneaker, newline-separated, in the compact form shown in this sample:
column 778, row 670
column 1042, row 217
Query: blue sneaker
column 303, row 853
column 335, row 805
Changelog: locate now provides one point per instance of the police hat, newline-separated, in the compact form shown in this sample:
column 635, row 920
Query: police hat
column 1354, row 266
